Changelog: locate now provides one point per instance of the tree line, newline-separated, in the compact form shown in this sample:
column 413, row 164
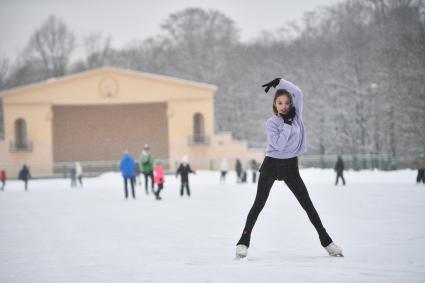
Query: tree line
column 360, row 64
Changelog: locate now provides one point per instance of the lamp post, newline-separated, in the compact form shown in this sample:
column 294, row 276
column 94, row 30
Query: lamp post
column 373, row 92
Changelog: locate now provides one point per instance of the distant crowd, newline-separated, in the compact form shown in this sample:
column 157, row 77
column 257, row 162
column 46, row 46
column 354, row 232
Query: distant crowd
column 153, row 171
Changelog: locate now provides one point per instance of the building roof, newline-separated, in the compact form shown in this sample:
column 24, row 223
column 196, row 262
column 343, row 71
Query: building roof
column 53, row 81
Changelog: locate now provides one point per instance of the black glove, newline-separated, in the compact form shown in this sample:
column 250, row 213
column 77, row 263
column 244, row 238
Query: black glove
column 289, row 117
column 273, row 83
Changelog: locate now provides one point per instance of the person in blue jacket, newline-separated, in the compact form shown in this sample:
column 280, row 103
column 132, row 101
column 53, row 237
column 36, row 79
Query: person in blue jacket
column 128, row 171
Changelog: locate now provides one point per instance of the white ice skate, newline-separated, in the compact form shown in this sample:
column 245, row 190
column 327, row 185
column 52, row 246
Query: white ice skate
column 241, row 251
column 334, row 250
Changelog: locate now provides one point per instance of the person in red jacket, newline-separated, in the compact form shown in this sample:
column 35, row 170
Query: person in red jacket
column 3, row 179
column 158, row 173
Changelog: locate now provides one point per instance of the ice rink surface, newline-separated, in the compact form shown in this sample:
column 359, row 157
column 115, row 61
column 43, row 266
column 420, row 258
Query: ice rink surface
column 53, row 233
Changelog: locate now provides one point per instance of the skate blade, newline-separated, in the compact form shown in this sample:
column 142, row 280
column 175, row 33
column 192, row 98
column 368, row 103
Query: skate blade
column 239, row 257
column 337, row 255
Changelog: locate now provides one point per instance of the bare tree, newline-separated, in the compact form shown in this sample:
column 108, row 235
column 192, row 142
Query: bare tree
column 98, row 50
column 52, row 44
column 4, row 72
column 199, row 42
column 25, row 71
column 149, row 55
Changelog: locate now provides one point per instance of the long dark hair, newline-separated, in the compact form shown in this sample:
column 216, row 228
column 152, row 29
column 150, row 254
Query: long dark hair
column 278, row 93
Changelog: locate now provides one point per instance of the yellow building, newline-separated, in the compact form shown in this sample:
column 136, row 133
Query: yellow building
column 98, row 114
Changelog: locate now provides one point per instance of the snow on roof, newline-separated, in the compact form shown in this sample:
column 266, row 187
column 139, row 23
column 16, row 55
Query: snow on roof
column 105, row 69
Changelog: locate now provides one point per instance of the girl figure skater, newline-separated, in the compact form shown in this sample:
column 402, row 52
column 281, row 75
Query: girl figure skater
column 286, row 141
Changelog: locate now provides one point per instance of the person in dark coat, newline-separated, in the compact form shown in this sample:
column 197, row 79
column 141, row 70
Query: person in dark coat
column 420, row 165
column 128, row 171
column 73, row 177
column 25, row 175
column 238, row 169
column 184, row 170
column 224, row 167
column 254, row 168
column 339, row 169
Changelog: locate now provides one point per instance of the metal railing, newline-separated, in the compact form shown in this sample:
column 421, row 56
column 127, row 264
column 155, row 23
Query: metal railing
column 357, row 161
column 199, row 140
column 94, row 168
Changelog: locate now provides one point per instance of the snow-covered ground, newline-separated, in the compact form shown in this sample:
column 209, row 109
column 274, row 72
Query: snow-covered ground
column 57, row 234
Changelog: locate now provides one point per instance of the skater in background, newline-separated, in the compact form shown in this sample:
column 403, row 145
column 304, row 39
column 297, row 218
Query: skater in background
column 224, row 167
column 79, row 172
column 254, row 168
column 158, row 173
column 238, row 169
column 137, row 179
column 128, row 171
column 25, row 175
column 146, row 164
column 244, row 175
column 339, row 169
column 73, row 176
column 420, row 165
column 183, row 170
column 3, row 179
column 286, row 141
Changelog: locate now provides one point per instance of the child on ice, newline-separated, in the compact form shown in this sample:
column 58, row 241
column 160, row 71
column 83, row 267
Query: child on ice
column 159, row 179
column 184, row 170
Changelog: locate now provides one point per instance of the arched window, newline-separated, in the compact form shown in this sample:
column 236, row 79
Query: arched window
column 198, row 128
column 21, row 138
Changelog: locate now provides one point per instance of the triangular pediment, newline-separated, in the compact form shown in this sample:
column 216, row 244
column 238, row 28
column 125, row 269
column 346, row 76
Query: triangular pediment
column 109, row 85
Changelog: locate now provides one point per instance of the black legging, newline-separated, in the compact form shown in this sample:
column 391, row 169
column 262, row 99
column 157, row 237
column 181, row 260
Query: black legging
column 131, row 179
column 339, row 175
column 158, row 191
column 185, row 183
column 286, row 170
column 147, row 175
column 421, row 176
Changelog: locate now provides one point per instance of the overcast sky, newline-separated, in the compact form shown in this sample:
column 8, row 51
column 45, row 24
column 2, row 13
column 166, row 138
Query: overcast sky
column 125, row 20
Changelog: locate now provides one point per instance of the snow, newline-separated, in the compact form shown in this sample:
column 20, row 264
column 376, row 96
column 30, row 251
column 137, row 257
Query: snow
column 57, row 234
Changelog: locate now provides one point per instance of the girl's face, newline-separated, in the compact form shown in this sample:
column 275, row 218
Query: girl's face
column 282, row 104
